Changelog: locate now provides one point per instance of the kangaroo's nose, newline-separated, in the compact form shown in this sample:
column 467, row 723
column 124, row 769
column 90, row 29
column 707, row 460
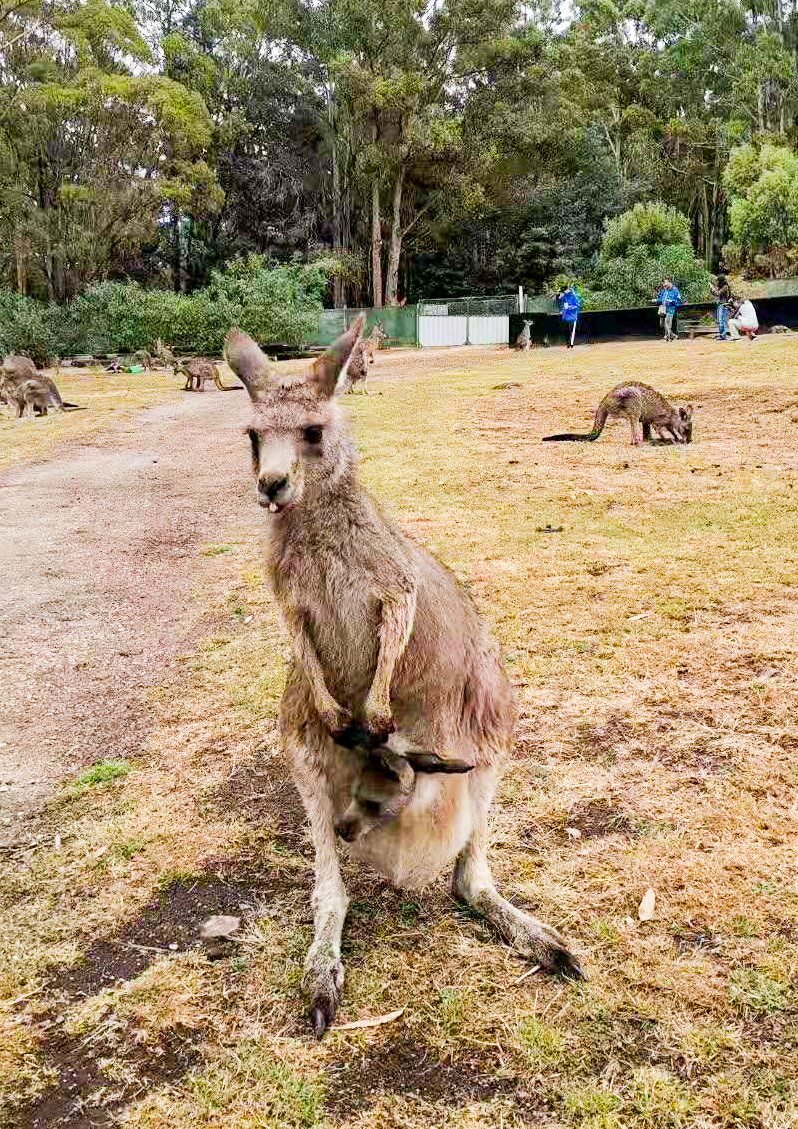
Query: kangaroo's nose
column 271, row 487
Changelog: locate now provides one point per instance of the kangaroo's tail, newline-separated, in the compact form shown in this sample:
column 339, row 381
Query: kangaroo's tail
column 599, row 420
column 220, row 383
column 570, row 437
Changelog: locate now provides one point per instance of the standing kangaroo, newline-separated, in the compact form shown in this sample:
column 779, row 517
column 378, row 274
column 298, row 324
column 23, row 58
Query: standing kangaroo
column 385, row 642
column 30, row 390
column 641, row 405
column 524, row 339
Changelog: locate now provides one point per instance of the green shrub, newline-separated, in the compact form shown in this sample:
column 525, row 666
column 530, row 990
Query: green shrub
column 649, row 225
column 280, row 303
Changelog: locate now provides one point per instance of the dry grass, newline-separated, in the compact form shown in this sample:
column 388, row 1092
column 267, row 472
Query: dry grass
column 653, row 646
column 110, row 398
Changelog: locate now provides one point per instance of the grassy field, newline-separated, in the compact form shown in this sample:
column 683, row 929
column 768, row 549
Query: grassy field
column 653, row 645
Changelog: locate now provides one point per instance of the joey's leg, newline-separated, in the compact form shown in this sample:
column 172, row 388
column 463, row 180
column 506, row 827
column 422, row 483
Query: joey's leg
column 324, row 972
column 472, row 883
column 646, row 432
column 637, row 432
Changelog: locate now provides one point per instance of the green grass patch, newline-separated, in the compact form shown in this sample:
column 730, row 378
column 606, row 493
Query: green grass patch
column 100, row 774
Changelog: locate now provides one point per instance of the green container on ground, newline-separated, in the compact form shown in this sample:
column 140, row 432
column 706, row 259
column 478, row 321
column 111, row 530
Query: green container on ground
column 136, row 368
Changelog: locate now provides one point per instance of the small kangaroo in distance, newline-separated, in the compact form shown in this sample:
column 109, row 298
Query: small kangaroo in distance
column 385, row 640
column 645, row 408
column 197, row 370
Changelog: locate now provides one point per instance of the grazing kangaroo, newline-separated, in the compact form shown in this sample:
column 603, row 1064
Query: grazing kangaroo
column 640, row 404
column 524, row 339
column 142, row 357
column 197, row 370
column 384, row 639
column 28, row 389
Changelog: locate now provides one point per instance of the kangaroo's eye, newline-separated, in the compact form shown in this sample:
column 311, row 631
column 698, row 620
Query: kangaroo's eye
column 371, row 807
column 313, row 435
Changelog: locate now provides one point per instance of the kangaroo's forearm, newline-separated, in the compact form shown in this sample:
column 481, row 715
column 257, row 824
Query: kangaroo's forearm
column 305, row 654
column 398, row 614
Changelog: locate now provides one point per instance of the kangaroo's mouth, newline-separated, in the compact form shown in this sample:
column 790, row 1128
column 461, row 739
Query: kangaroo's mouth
column 276, row 507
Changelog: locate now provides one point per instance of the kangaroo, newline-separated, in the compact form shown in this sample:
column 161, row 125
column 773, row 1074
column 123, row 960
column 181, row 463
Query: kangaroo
column 780, row 329
column 640, row 404
column 384, row 639
column 27, row 388
column 142, row 357
column 524, row 339
column 197, row 370
column 385, row 786
column 374, row 341
column 357, row 370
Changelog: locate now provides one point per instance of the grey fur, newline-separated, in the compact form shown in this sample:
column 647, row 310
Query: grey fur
column 645, row 408
column 384, row 639
column 28, row 390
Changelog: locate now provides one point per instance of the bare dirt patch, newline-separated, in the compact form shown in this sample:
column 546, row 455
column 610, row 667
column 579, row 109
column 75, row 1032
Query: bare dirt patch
column 101, row 544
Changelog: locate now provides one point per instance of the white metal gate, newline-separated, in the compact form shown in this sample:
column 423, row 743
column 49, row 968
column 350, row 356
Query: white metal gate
column 466, row 321
column 489, row 330
column 437, row 327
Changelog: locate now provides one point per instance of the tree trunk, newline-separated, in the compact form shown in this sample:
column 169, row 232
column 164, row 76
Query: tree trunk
column 376, row 246
column 392, row 277
column 177, row 266
column 337, row 216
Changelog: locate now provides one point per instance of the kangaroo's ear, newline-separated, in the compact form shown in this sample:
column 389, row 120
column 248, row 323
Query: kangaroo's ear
column 249, row 364
column 332, row 365
column 431, row 763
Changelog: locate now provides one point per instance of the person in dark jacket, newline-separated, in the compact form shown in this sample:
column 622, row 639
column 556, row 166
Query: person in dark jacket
column 570, row 307
column 722, row 291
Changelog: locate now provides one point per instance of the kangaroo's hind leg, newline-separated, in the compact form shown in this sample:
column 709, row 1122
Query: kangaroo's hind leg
column 472, row 882
column 310, row 751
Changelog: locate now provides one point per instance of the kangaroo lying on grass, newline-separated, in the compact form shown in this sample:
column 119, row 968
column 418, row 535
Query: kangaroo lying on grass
column 22, row 385
column 384, row 639
column 640, row 404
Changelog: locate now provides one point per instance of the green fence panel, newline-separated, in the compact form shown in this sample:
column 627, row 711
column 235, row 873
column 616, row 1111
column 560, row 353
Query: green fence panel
column 399, row 323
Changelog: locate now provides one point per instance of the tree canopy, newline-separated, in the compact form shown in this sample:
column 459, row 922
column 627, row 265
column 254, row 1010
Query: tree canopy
column 428, row 147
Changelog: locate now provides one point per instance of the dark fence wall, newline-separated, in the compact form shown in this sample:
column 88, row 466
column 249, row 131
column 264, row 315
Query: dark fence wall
column 609, row 325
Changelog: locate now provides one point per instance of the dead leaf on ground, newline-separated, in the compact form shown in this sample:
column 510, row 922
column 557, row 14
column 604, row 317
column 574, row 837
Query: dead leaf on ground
column 645, row 911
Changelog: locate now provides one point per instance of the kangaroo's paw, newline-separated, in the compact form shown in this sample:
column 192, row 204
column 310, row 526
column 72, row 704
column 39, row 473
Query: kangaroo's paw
column 544, row 945
column 531, row 938
column 324, row 983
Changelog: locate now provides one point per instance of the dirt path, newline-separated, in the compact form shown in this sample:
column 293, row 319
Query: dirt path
column 96, row 552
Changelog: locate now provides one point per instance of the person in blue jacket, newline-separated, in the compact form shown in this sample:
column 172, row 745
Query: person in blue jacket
column 669, row 300
column 570, row 307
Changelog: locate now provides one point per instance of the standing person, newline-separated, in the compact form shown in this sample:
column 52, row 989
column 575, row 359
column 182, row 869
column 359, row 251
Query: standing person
column 722, row 291
column 744, row 319
column 570, row 307
column 669, row 300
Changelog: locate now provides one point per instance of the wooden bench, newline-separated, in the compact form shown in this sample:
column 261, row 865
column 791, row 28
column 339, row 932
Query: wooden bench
column 696, row 326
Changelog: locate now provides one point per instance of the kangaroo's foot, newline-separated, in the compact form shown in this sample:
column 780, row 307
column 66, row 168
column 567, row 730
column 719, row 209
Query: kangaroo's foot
column 323, row 982
column 530, row 937
column 472, row 883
